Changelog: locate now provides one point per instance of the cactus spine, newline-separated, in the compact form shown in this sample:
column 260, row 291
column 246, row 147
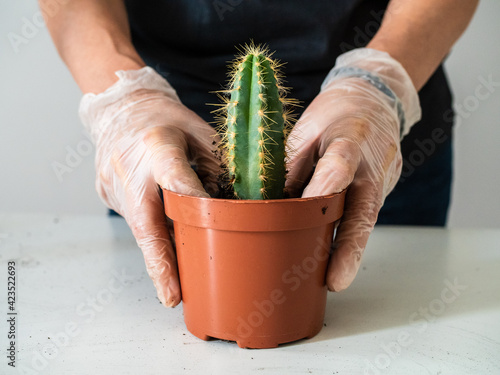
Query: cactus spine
column 255, row 125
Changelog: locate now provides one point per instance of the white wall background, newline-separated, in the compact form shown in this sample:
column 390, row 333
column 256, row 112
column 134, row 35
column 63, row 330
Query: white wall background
column 40, row 127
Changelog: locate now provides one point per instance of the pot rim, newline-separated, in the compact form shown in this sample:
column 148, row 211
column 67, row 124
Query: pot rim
column 254, row 215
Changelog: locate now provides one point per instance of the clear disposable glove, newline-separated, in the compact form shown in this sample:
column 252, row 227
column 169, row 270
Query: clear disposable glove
column 351, row 132
column 145, row 139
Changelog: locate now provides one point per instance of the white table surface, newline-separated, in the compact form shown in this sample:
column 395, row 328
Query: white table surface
column 74, row 316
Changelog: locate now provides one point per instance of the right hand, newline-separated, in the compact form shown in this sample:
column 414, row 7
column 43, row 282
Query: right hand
column 146, row 138
column 351, row 131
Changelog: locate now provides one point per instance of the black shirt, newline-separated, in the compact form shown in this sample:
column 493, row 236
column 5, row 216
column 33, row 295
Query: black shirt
column 190, row 42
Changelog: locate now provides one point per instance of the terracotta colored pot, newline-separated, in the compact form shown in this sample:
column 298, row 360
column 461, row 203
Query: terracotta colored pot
column 253, row 271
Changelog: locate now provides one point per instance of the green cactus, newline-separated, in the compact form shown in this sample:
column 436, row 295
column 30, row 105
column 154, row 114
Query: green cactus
column 255, row 125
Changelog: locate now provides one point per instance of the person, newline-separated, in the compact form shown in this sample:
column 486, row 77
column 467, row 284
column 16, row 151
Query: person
column 147, row 69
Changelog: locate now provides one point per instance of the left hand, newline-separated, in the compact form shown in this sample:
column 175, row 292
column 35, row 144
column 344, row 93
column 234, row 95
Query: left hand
column 351, row 131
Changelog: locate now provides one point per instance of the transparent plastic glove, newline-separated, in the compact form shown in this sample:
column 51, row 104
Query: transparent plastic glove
column 351, row 132
column 145, row 139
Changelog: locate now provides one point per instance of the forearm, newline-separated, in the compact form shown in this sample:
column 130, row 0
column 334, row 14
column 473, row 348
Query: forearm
column 93, row 39
column 419, row 34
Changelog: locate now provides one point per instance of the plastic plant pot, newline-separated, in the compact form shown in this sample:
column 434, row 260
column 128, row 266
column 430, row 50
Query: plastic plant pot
column 253, row 271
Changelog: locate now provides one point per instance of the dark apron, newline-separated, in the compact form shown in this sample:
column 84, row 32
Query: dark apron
column 190, row 43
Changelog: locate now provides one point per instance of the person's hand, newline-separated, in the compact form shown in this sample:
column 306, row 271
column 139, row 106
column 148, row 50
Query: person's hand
column 351, row 132
column 145, row 139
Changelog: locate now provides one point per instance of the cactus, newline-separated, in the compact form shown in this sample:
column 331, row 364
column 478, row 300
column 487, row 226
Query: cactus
column 255, row 121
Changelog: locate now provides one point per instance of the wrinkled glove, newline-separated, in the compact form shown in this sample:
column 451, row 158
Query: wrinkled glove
column 145, row 137
column 351, row 132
